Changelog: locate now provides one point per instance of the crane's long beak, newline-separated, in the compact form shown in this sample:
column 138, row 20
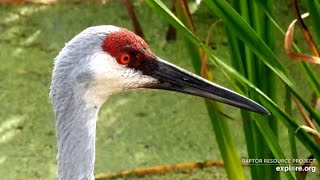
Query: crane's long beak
column 173, row 78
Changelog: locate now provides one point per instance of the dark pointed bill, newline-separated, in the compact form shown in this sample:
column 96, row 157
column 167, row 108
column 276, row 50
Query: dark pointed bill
column 173, row 78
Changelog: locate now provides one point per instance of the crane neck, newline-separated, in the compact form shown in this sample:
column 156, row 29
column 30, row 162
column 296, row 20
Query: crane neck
column 76, row 100
column 76, row 131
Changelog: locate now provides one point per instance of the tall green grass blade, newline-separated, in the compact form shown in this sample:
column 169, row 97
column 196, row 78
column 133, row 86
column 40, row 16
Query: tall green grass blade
column 261, row 76
column 292, row 140
column 232, row 163
column 247, row 11
column 312, row 78
column 220, row 126
column 265, row 78
column 235, row 22
column 237, row 52
column 221, row 129
column 304, row 137
column 249, row 132
column 266, row 131
column 254, row 140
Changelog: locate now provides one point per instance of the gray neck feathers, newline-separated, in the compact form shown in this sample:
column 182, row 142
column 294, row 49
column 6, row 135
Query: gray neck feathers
column 76, row 129
column 76, row 118
column 75, row 124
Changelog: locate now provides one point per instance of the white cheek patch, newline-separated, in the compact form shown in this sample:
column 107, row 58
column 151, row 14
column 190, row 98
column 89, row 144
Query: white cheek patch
column 111, row 77
column 102, row 64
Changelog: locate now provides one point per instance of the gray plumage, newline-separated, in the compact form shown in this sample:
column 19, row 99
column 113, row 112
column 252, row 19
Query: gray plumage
column 75, row 118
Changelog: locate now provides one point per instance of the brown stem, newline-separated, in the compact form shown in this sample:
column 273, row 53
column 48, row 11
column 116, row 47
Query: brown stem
column 161, row 169
column 185, row 10
column 305, row 29
column 314, row 100
column 14, row 2
column 304, row 173
column 133, row 17
column 306, row 118
column 172, row 32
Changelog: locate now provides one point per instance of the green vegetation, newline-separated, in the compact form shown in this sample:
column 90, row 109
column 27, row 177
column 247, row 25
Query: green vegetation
column 135, row 129
column 255, row 67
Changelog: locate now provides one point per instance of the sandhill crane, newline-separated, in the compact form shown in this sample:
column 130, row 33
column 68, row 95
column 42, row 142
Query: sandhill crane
column 101, row 61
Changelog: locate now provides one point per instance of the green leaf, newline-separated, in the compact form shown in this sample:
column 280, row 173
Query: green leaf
column 221, row 128
column 244, row 32
column 228, row 150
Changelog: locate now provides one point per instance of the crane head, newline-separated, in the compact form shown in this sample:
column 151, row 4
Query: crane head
column 116, row 60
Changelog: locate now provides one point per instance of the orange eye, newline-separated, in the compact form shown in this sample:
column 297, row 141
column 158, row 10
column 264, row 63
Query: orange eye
column 124, row 58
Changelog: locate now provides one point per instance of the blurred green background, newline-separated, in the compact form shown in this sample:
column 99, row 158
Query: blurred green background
column 135, row 129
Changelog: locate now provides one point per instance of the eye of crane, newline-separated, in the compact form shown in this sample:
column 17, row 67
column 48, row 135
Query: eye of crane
column 124, row 58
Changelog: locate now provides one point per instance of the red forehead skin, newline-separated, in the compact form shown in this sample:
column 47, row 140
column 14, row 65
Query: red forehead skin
column 124, row 40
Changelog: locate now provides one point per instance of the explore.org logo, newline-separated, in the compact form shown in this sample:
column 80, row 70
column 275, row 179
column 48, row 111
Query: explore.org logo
column 285, row 164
